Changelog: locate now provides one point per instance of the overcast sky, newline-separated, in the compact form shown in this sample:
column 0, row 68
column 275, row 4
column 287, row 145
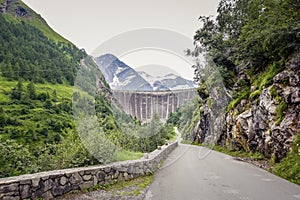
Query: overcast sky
column 90, row 23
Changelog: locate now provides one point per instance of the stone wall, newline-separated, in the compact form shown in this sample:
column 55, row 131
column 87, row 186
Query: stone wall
column 143, row 105
column 52, row 184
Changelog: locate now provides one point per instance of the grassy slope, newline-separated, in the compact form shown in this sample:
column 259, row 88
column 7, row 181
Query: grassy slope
column 35, row 20
column 289, row 167
column 36, row 115
column 40, row 115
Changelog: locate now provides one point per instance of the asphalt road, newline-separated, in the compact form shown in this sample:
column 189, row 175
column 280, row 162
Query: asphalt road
column 196, row 173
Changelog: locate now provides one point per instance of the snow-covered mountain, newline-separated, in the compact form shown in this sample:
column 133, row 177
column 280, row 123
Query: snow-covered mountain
column 119, row 75
column 167, row 82
column 122, row 77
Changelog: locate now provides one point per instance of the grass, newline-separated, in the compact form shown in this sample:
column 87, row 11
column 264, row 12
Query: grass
column 241, row 154
column 35, row 20
column 128, row 155
column 33, row 115
column 289, row 167
column 132, row 187
column 38, row 22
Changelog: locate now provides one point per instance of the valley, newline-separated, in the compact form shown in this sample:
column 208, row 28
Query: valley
column 72, row 122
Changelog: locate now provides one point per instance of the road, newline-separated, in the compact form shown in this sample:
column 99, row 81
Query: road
column 196, row 173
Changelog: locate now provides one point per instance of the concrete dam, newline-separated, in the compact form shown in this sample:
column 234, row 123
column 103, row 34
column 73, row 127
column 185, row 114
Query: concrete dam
column 145, row 104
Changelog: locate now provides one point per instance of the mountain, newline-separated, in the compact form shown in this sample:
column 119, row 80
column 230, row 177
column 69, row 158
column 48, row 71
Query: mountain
column 122, row 77
column 119, row 75
column 168, row 82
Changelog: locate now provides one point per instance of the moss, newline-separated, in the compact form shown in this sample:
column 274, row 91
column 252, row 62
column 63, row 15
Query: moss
column 273, row 92
column 255, row 94
column 280, row 109
column 244, row 94
column 211, row 102
column 265, row 78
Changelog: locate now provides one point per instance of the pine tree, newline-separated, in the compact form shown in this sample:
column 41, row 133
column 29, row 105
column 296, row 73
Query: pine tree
column 31, row 91
column 16, row 93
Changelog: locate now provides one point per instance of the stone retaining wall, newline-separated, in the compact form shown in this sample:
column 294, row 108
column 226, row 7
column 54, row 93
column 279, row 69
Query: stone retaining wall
column 49, row 185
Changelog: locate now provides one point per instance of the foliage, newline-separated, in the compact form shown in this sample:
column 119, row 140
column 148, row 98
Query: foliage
column 15, row 158
column 26, row 53
column 289, row 167
column 185, row 118
column 249, row 35
column 33, row 19
column 255, row 94
column 122, row 155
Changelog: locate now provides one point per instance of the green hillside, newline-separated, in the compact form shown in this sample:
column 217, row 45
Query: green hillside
column 38, row 71
column 31, row 18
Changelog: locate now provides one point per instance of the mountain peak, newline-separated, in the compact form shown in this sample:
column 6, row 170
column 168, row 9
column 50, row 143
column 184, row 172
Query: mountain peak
column 109, row 55
column 122, row 77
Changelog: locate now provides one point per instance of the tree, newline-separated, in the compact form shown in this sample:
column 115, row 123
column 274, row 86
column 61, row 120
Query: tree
column 16, row 93
column 47, row 104
column 2, row 117
column 54, row 94
column 249, row 35
column 31, row 91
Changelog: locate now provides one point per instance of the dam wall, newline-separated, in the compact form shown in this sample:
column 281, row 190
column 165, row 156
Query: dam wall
column 144, row 104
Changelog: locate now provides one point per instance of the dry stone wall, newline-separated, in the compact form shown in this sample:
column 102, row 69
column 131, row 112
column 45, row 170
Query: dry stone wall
column 52, row 184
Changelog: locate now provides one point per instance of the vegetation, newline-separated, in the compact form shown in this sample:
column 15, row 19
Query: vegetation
column 135, row 186
column 38, row 103
column 26, row 53
column 235, row 153
column 185, row 118
column 243, row 38
column 32, row 18
column 289, row 167
column 249, row 42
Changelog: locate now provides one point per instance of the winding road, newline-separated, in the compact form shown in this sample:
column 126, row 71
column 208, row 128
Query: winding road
column 196, row 173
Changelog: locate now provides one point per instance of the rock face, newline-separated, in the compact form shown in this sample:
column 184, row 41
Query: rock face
column 272, row 121
column 3, row 7
column 267, row 123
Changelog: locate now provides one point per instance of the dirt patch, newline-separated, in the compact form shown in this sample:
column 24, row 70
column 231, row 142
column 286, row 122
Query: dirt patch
column 261, row 163
column 128, row 190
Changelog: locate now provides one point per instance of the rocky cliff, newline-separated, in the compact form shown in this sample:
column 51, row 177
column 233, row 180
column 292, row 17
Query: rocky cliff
column 272, row 119
column 266, row 120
